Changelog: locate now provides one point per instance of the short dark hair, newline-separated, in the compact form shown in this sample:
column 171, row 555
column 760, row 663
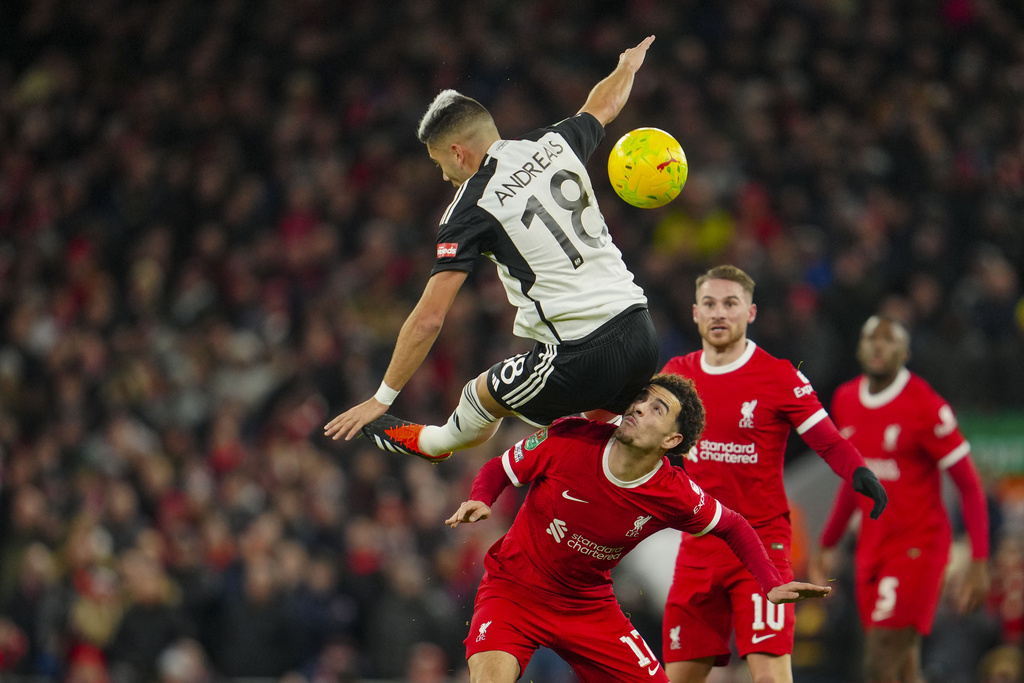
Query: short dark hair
column 690, row 420
column 727, row 272
column 450, row 112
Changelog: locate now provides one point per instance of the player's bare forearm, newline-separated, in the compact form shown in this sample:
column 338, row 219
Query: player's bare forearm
column 795, row 591
column 469, row 512
column 414, row 342
column 415, row 339
column 608, row 97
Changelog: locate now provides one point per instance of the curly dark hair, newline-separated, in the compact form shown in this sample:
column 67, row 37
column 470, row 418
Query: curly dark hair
column 690, row 421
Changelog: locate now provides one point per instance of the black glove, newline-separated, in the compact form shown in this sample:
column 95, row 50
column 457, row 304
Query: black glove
column 865, row 481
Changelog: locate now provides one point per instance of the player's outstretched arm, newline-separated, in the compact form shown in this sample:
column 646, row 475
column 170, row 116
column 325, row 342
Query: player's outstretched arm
column 470, row 511
column 415, row 339
column 795, row 591
column 609, row 96
column 974, row 585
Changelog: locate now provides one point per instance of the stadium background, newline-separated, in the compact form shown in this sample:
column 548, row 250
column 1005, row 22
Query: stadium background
column 214, row 216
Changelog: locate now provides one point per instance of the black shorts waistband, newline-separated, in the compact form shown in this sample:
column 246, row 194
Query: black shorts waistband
column 622, row 321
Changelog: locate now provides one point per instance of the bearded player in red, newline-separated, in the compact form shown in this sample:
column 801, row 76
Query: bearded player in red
column 752, row 400
column 596, row 491
column 909, row 436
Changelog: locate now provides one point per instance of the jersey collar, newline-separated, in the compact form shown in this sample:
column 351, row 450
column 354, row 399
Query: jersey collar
column 869, row 400
column 618, row 482
column 735, row 365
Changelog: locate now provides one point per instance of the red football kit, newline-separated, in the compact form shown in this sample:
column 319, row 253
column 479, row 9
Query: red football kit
column 909, row 436
column 751, row 404
column 548, row 579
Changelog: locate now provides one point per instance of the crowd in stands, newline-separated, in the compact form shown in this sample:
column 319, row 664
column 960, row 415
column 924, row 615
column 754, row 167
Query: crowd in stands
column 215, row 215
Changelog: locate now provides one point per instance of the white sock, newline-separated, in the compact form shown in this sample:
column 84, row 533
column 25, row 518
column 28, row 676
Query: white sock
column 470, row 425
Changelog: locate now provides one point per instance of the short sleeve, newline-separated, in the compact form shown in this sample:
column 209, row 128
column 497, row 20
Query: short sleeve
column 698, row 511
column 465, row 230
column 528, row 458
column 797, row 398
column 458, row 245
column 583, row 132
column 941, row 437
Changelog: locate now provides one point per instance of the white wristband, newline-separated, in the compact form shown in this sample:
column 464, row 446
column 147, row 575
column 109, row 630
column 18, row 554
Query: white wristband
column 386, row 394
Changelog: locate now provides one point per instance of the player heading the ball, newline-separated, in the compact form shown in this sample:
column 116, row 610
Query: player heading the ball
column 529, row 206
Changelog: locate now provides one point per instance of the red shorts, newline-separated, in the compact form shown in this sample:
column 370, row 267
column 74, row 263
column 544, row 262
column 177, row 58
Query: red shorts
column 705, row 603
column 901, row 590
column 593, row 636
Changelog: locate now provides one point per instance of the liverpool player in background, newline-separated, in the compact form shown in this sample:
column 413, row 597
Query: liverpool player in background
column 909, row 436
column 596, row 491
column 528, row 205
column 752, row 399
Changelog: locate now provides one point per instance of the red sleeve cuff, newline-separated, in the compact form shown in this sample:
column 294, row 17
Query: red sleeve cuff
column 490, row 481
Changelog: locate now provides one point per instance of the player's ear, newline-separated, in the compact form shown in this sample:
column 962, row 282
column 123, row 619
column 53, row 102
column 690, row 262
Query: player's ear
column 753, row 313
column 671, row 441
column 695, row 313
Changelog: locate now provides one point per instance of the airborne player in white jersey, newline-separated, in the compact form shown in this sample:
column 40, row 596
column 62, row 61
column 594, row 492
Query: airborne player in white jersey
column 752, row 400
column 528, row 205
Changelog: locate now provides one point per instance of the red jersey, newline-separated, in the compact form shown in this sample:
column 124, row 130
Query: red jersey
column 751, row 404
column 578, row 520
column 908, row 435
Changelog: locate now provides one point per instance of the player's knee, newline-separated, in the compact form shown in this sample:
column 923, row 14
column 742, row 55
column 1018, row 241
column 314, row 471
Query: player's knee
column 488, row 677
column 765, row 668
column 886, row 652
column 473, row 411
column 486, row 398
column 877, row 671
column 769, row 677
column 493, row 667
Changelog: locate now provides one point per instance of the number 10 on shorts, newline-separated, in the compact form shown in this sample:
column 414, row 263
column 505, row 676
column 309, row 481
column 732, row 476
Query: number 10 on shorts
column 776, row 614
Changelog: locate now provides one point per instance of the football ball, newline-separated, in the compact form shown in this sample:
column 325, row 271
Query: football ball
column 647, row 168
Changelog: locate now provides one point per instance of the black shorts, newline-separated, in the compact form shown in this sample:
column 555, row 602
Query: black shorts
column 605, row 370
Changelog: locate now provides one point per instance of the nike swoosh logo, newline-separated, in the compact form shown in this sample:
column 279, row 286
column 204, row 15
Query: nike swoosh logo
column 758, row 639
column 652, row 671
column 565, row 494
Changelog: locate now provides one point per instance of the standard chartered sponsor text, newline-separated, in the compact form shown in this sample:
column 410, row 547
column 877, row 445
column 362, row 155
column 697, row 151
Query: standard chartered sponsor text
column 598, row 552
column 743, row 453
column 886, row 469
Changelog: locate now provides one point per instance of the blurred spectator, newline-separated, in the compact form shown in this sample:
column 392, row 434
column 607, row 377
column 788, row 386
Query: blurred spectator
column 410, row 612
column 27, row 603
column 1004, row 664
column 153, row 620
column 254, row 637
column 13, row 645
column 427, row 664
column 183, row 662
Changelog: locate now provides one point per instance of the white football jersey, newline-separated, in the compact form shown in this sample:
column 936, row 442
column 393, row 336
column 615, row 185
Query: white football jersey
column 531, row 210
